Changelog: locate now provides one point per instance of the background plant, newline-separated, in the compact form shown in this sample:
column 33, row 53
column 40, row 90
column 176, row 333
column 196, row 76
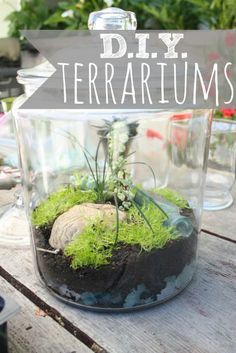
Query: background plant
column 154, row 14
column 162, row 14
column 216, row 14
column 227, row 114
column 32, row 15
column 73, row 14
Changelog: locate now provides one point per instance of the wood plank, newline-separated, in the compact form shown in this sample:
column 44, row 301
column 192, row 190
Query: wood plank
column 201, row 320
column 6, row 196
column 29, row 332
column 222, row 222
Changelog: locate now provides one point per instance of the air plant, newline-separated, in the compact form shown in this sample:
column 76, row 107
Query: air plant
column 113, row 182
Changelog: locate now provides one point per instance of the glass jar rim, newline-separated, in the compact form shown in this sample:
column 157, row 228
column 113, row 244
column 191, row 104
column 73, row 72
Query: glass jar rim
column 223, row 126
column 36, row 75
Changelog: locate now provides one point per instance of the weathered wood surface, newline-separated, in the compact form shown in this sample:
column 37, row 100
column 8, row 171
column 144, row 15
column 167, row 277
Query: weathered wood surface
column 6, row 197
column 222, row 222
column 31, row 332
column 201, row 320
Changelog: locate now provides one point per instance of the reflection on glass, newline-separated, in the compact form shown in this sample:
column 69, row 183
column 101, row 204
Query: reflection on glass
column 13, row 222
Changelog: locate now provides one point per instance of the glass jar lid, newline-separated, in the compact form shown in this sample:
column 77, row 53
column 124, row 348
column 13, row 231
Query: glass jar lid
column 35, row 76
column 112, row 18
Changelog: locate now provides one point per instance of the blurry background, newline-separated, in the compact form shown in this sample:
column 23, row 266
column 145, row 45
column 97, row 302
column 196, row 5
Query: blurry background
column 53, row 14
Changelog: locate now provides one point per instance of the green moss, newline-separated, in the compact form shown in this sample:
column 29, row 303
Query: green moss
column 136, row 231
column 94, row 245
column 172, row 196
column 60, row 202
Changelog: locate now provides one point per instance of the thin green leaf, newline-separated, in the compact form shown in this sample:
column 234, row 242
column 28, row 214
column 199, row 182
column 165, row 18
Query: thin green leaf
column 142, row 214
column 85, row 152
column 90, row 168
column 152, row 200
column 96, row 160
column 104, row 169
column 76, row 142
column 117, row 219
column 149, row 167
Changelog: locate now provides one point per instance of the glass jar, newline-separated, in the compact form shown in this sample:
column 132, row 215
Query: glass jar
column 111, row 229
column 221, row 165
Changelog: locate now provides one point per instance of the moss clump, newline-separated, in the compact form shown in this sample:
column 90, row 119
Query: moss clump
column 172, row 196
column 60, row 202
column 94, row 245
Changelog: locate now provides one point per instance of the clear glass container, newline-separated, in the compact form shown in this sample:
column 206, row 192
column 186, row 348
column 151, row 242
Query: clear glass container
column 13, row 222
column 221, row 165
column 114, row 219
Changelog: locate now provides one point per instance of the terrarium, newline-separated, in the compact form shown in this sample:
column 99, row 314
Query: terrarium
column 114, row 199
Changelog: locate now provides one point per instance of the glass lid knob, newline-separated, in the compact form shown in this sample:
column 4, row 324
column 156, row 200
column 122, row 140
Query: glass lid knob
column 112, row 18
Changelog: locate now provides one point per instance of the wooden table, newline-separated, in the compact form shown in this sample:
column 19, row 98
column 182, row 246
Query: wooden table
column 200, row 320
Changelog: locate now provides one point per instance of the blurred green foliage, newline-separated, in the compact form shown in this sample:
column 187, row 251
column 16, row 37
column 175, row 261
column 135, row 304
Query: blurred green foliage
column 153, row 14
column 32, row 15
column 216, row 14
column 73, row 14
column 162, row 14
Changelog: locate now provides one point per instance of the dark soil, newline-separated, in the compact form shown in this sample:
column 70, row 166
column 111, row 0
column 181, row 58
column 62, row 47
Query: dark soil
column 129, row 268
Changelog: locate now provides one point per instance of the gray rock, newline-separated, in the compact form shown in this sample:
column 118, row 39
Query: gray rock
column 72, row 222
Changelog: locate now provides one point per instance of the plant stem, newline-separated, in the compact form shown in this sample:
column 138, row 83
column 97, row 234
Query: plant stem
column 142, row 214
column 117, row 219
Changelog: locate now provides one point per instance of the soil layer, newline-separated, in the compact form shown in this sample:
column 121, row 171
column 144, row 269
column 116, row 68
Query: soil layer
column 111, row 285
